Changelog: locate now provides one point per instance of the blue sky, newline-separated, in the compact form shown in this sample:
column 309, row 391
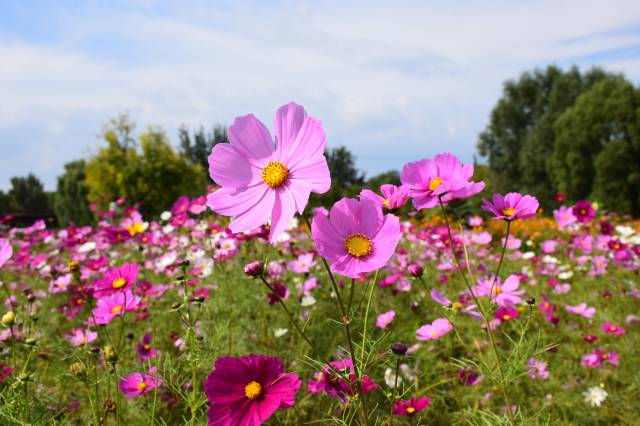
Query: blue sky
column 393, row 81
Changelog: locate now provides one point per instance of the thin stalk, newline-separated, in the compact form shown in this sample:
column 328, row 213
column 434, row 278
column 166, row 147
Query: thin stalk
column 504, row 248
column 284, row 306
column 395, row 390
column 353, row 284
column 347, row 331
column 484, row 315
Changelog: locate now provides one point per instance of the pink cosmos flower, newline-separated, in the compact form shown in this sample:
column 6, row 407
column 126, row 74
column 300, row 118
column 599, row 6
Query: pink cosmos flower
column 435, row 330
column 564, row 216
column 6, row 251
column 385, row 319
column 109, row 307
column 411, row 407
column 613, row 328
column 443, row 177
column 581, row 309
column 259, row 180
column 116, row 280
column 393, row 197
column 303, row 264
column 248, row 390
column 537, row 369
column 599, row 357
column 144, row 348
column 506, row 313
column 511, row 206
column 5, row 371
column 136, row 384
column 475, row 221
column 504, row 294
column 468, row 310
column 79, row 337
column 337, row 379
column 583, row 210
column 356, row 237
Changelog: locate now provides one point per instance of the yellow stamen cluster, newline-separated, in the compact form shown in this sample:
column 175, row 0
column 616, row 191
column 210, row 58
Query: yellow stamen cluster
column 253, row 390
column 358, row 245
column 141, row 386
column 508, row 211
column 119, row 283
column 116, row 309
column 274, row 174
column 411, row 410
column 434, row 183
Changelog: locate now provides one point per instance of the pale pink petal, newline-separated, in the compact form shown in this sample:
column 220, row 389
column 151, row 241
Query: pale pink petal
column 230, row 169
column 251, row 139
column 284, row 209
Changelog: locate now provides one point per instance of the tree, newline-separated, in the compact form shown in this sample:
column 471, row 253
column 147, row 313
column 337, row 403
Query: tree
column 197, row 150
column 597, row 146
column 152, row 174
column 70, row 200
column 342, row 166
column 520, row 137
column 27, row 195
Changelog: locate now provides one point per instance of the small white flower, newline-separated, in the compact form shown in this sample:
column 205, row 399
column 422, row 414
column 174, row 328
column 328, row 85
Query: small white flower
column 390, row 378
column 549, row 259
column 565, row 275
column 165, row 216
column 279, row 332
column 528, row 255
column 308, row 301
column 595, row 396
column 167, row 229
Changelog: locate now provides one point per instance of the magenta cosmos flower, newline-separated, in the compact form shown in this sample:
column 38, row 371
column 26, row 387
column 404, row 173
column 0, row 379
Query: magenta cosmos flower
column 5, row 251
column 385, row 319
column 511, row 206
column 109, row 307
column 79, row 337
column 137, row 384
column 259, row 180
column 116, row 280
column 435, row 330
column 583, row 210
column 248, row 390
column 443, row 177
column 411, row 407
column 356, row 237
column 613, row 328
column 393, row 197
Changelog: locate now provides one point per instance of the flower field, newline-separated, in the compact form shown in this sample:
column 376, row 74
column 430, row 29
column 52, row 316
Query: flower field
column 383, row 309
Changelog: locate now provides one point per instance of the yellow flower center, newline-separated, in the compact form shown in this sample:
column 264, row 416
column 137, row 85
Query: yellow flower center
column 120, row 282
column 146, row 347
column 457, row 305
column 274, row 174
column 358, row 245
column 411, row 410
column 506, row 317
column 612, row 328
column 141, row 386
column 434, row 183
column 135, row 229
column 605, row 356
column 116, row 309
column 253, row 390
column 508, row 211
column 498, row 290
column 386, row 203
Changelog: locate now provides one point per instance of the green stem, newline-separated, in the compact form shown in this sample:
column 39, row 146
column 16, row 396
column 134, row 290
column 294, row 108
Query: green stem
column 395, row 390
column 484, row 315
column 504, row 249
column 284, row 306
column 353, row 284
column 347, row 330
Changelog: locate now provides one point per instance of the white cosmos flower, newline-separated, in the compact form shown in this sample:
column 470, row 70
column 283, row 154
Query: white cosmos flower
column 279, row 332
column 595, row 396
column 390, row 378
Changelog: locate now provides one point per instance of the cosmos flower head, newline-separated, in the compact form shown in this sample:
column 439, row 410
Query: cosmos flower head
column 393, row 197
column 385, row 319
column 411, row 407
column 109, row 307
column 247, row 390
column 261, row 181
column 442, row 178
column 6, row 251
column 613, row 328
column 583, row 211
column 511, row 206
column 137, row 384
column 116, row 280
column 356, row 237
column 435, row 330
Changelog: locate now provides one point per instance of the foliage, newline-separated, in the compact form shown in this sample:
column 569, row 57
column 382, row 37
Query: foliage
column 597, row 148
column 198, row 148
column 152, row 174
column 520, row 137
column 70, row 199
column 27, row 194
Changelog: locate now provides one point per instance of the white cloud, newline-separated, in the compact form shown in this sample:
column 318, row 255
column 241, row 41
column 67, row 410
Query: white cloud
column 392, row 82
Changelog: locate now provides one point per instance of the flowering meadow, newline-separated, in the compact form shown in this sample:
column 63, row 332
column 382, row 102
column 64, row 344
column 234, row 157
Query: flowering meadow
column 245, row 306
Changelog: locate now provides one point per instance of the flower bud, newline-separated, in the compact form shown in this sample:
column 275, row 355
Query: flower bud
column 254, row 269
column 8, row 319
column 399, row 349
column 415, row 270
column 531, row 301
